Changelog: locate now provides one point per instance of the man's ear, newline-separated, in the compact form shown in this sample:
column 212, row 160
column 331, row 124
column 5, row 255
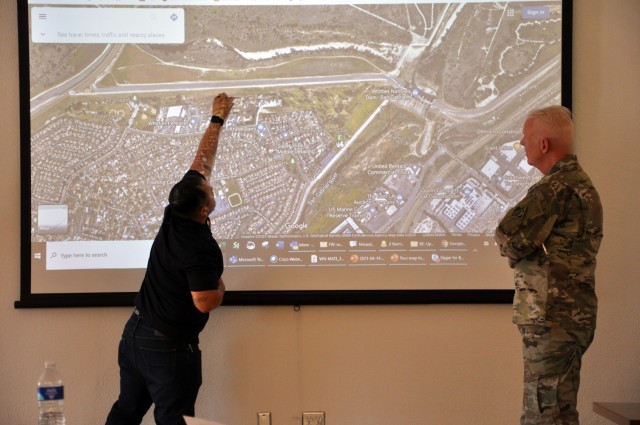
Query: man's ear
column 545, row 145
column 203, row 213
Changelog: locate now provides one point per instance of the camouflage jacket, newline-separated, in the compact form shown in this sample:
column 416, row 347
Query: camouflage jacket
column 551, row 238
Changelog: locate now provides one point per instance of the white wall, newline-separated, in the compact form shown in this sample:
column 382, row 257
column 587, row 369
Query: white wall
column 380, row 365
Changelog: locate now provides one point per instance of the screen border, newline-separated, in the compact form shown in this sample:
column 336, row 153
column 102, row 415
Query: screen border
column 238, row 298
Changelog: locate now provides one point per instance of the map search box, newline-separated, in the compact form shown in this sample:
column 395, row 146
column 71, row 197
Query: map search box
column 107, row 25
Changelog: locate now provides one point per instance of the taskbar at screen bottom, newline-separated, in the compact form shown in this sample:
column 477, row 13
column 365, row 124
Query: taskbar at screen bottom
column 315, row 250
column 442, row 262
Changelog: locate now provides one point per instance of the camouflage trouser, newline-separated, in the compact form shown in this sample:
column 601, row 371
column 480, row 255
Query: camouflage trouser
column 552, row 360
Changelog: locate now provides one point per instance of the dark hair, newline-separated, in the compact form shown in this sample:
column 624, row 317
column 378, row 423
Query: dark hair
column 187, row 196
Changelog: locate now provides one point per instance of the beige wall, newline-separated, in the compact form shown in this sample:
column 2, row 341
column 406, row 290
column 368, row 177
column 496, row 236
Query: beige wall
column 380, row 365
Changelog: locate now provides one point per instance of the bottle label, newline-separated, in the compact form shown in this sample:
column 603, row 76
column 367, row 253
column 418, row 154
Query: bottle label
column 51, row 393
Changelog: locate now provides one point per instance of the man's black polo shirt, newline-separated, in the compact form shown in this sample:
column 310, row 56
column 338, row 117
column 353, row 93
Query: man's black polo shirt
column 184, row 257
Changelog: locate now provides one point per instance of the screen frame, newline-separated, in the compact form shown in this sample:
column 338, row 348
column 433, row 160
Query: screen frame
column 238, row 298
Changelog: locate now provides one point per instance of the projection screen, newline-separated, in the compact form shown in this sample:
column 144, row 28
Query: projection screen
column 372, row 149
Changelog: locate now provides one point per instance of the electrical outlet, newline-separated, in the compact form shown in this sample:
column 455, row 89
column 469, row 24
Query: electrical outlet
column 313, row 418
column 264, row 418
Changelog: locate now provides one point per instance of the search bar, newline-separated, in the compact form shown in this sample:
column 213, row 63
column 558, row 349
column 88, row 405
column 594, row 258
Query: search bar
column 83, row 255
column 107, row 25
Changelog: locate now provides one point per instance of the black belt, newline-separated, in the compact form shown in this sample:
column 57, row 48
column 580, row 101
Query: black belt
column 155, row 332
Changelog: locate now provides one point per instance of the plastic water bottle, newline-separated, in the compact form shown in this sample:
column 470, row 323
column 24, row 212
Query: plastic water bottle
column 50, row 396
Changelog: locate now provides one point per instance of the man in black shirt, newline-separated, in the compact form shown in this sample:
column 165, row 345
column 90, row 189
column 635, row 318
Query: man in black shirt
column 159, row 358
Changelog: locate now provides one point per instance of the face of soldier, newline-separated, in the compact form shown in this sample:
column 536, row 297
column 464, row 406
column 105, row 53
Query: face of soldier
column 533, row 142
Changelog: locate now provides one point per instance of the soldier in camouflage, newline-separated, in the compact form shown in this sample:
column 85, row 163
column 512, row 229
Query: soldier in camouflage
column 551, row 238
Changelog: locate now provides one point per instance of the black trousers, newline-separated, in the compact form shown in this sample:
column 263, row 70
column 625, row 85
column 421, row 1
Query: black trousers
column 155, row 370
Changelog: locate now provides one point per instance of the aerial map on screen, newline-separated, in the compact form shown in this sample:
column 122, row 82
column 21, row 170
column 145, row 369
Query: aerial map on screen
column 362, row 134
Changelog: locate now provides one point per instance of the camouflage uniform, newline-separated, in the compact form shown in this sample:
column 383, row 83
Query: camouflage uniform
column 551, row 238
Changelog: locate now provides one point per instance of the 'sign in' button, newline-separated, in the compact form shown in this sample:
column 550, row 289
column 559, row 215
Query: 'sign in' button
column 535, row 12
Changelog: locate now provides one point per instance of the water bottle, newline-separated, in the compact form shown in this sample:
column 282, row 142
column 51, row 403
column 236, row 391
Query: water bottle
column 50, row 396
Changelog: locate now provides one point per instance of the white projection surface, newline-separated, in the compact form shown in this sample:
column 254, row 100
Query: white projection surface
column 372, row 146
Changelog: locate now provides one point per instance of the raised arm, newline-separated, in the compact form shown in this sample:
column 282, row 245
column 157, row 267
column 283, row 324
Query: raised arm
column 206, row 154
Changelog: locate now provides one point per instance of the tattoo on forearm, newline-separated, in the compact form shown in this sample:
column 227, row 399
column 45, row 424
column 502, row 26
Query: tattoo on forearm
column 200, row 299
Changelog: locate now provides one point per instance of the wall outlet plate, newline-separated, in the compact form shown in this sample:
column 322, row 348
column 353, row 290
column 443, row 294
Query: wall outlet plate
column 313, row 418
column 264, row 418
